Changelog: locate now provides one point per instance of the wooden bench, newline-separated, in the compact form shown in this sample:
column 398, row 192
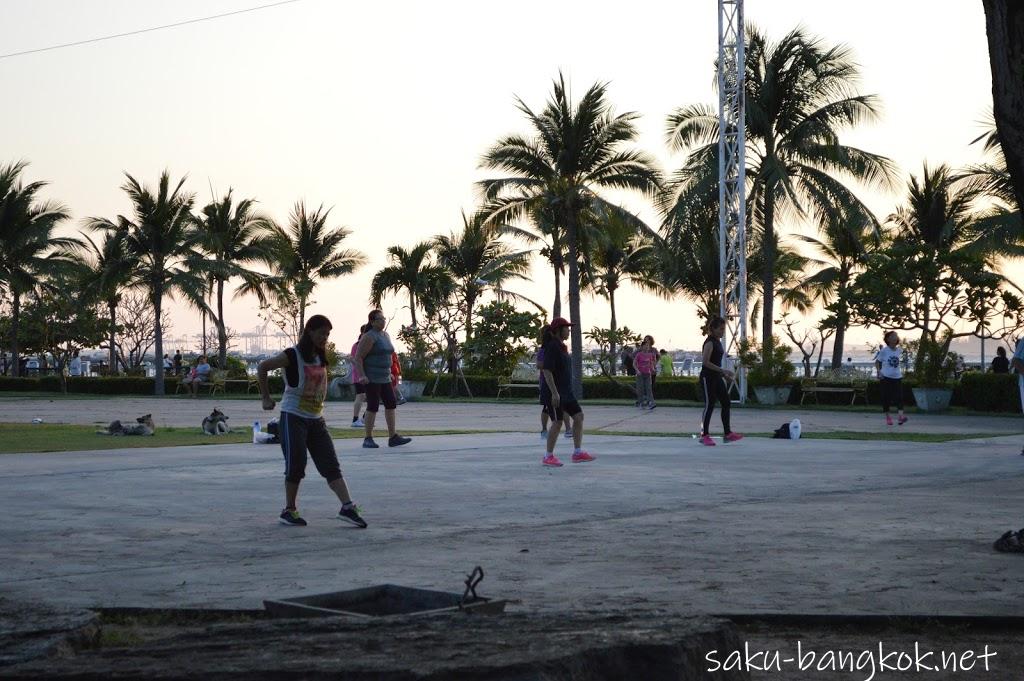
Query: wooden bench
column 523, row 377
column 856, row 388
column 249, row 382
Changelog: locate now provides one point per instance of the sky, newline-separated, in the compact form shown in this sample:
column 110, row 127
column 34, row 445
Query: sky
column 382, row 110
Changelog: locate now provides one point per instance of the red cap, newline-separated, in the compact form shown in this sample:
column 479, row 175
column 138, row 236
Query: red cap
column 559, row 322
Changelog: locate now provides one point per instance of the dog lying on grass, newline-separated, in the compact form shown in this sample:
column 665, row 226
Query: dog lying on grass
column 216, row 423
column 143, row 426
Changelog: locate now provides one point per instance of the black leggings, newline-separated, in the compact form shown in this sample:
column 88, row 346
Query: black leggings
column 892, row 393
column 299, row 435
column 714, row 389
column 377, row 393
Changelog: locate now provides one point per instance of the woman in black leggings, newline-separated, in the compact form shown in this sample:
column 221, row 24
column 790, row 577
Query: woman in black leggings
column 712, row 381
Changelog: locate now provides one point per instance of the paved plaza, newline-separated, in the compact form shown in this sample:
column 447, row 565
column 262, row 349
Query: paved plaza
column 765, row 526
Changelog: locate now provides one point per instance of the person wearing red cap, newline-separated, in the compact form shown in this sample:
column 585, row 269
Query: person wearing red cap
column 556, row 392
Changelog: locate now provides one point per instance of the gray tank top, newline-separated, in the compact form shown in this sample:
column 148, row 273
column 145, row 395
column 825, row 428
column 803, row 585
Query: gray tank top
column 377, row 362
column 306, row 398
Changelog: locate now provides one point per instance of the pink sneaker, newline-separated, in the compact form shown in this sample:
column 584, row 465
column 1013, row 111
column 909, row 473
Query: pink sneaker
column 551, row 460
column 706, row 440
column 888, row 420
column 902, row 420
column 582, row 457
column 733, row 437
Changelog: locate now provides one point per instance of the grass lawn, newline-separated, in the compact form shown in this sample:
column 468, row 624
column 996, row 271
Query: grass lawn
column 47, row 437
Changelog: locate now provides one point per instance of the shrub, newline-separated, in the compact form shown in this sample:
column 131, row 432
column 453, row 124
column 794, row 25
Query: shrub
column 988, row 392
column 777, row 370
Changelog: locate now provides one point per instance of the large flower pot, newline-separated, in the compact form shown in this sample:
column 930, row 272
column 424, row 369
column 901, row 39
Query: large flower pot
column 413, row 390
column 932, row 399
column 772, row 395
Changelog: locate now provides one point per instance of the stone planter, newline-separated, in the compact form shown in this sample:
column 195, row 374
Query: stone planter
column 932, row 399
column 772, row 395
column 413, row 390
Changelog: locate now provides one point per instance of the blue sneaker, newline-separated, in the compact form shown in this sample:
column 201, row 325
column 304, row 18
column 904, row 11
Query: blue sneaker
column 368, row 443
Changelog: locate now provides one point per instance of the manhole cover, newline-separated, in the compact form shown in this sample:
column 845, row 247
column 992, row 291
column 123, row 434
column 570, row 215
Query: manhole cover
column 380, row 601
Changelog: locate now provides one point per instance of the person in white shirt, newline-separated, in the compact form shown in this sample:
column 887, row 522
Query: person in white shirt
column 887, row 367
column 75, row 366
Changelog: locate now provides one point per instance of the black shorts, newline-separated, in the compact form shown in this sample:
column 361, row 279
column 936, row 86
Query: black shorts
column 360, row 388
column 377, row 393
column 299, row 435
column 571, row 408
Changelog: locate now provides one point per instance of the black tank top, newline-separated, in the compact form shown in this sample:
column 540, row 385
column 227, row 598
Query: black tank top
column 717, row 352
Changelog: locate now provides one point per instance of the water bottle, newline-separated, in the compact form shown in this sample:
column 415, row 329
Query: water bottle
column 255, row 432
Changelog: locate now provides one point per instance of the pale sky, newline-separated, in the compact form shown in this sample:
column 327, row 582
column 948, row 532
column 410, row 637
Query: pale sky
column 382, row 110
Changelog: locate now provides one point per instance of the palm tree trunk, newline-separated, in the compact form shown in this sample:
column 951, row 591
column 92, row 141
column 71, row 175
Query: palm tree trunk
column 412, row 306
column 837, row 346
column 768, row 274
column 112, row 310
column 15, row 320
column 556, row 308
column 222, row 333
column 302, row 316
column 614, row 328
column 158, row 384
column 470, row 302
column 1004, row 23
column 576, row 334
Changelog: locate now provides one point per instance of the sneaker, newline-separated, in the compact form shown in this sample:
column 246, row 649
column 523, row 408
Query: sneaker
column 397, row 440
column 358, row 423
column 351, row 515
column 543, row 435
column 733, row 437
column 551, row 460
column 368, row 443
column 568, row 434
column 707, row 441
column 290, row 516
column 582, row 457
column 652, row 407
column 888, row 420
column 902, row 420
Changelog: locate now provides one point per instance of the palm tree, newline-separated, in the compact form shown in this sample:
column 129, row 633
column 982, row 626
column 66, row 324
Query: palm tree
column 477, row 261
column 160, row 236
column 232, row 237
column 110, row 269
column 800, row 94
column 305, row 252
column 410, row 271
column 577, row 151
column 620, row 253
column 843, row 251
column 28, row 250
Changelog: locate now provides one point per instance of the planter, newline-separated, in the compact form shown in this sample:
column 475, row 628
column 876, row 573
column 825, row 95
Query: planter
column 773, row 395
column 932, row 399
column 413, row 390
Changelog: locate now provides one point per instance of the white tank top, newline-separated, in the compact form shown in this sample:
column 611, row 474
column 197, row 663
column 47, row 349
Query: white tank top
column 307, row 398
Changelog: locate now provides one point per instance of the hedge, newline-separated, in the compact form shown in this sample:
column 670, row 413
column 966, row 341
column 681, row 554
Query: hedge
column 111, row 385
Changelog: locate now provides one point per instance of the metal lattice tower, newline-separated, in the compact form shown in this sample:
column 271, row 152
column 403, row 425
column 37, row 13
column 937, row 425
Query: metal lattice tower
column 732, row 178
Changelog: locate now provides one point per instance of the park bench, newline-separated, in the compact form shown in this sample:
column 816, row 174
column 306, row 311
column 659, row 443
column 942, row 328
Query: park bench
column 856, row 387
column 249, row 382
column 524, row 376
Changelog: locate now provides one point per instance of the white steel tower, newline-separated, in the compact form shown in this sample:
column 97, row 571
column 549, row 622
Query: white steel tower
column 732, row 177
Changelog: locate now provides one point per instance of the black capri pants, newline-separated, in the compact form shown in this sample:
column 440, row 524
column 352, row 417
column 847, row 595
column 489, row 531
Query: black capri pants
column 377, row 393
column 892, row 393
column 299, row 434
column 572, row 407
column 715, row 390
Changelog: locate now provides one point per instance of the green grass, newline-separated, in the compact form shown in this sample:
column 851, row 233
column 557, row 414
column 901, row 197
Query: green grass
column 52, row 437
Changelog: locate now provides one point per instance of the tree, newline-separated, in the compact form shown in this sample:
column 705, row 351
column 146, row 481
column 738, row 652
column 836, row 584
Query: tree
column 577, row 151
column 306, row 252
column 29, row 251
column 498, row 344
column 110, row 267
column 476, row 261
column 843, row 249
column 136, row 334
column 621, row 253
column 1004, row 24
column 800, row 94
column 411, row 271
column 232, row 237
column 60, row 322
column 160, row 236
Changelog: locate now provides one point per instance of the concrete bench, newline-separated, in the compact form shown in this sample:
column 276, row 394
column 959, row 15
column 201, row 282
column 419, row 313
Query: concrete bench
column 523, row 378
column 809, row 386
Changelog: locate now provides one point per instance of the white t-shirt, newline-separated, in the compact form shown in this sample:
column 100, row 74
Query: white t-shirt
column 890, row 359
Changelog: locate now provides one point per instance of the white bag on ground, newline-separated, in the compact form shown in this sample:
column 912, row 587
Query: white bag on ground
column 794, row 429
